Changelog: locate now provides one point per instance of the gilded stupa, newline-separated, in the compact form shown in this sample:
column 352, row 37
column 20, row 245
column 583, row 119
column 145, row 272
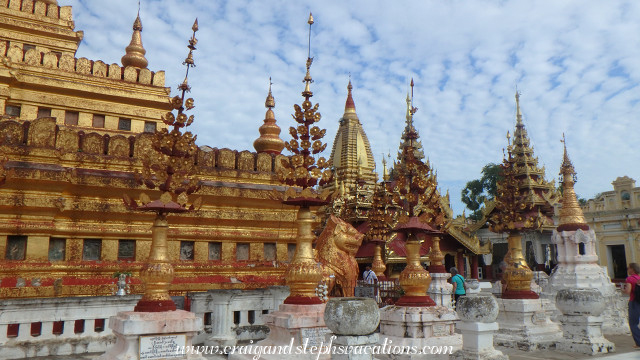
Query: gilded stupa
column 353, row 163
column 571, row 216
column 135, row 51
column 269, row 141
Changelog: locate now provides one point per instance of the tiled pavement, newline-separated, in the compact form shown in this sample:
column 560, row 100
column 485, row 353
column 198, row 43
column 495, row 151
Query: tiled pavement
column 624, row 351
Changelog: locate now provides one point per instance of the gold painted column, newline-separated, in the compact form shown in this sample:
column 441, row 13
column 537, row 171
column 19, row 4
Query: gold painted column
column 157, row 272
column 303, row 274
column 517, row 275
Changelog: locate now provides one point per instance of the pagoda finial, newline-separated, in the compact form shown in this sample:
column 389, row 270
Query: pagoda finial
column 571, row 215
column 350, row 106
column 518, row 112
column 134, row 55
column 269, row 141
column 307, row 78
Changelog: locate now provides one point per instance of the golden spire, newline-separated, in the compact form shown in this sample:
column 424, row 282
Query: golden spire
column 385, row 173
column 571, row 215
column 350, row 106
column 269, row 141
column 307, row 78
column 135, row 51
column 518, row 112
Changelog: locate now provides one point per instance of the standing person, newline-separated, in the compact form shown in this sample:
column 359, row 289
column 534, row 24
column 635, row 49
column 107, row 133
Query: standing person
column 458, row 285
column 634, row 306
column 369, row 276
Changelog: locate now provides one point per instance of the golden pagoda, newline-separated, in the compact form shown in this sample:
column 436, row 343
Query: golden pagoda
column 352, row 159
column 43, row 79
column 453, row 238
column 64, row 228
column 571, row 216
column 524, row 203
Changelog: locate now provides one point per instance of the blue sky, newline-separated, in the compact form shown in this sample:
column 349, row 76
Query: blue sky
column 576, row 63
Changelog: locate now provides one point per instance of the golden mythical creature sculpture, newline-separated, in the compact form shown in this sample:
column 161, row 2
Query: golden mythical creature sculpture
column 336, row 249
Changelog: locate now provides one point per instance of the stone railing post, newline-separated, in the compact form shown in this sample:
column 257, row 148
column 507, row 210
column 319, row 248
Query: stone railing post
column 478, row 314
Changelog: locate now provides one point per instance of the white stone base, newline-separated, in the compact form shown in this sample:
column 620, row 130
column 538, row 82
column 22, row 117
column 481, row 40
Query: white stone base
column 294, row 330
column 128, row 326
column 583, row 334
column 477, row 339
column 440, row 290
column 525, row 325
column 342, row 343
column 421, row 328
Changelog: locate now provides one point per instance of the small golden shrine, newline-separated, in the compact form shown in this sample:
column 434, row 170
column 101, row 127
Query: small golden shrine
column 524, row 202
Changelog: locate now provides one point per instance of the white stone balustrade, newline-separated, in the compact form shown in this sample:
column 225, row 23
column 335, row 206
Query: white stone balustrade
column 48, row 312
column 232, row 315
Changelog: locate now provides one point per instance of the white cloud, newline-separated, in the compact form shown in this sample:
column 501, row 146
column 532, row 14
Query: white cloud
column 574, row 61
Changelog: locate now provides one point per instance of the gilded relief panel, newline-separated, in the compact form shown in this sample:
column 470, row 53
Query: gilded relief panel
column 67, row 141
column 42, row 133
column 10, row 133
column 119, row 146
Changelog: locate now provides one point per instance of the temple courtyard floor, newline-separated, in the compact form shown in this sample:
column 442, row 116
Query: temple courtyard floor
column 624, row 351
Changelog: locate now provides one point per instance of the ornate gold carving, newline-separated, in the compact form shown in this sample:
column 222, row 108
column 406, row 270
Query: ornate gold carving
column 435, row 255
column 414, row 279
column 118, row 146
column 336, row 249
column 67, row 141
column 303, row 274
column 42, row 133
column 11, row 133
column 93, row 143
column 135, row 50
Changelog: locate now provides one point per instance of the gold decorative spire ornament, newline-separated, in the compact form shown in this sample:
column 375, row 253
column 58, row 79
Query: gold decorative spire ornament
column 170, row 169
column 135, row 51
column 571, row 216
column 524, row 202
column 380, row 222
column 269, row 141
column 416, row 195
column 436, row 257
column 304, row 171
column 410, row 136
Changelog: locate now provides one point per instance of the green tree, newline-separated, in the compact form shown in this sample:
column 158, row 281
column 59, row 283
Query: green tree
column 476, row 192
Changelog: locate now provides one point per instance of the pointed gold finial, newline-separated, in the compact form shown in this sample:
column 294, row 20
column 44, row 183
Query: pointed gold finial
column 571, row 216
column 134, row 55
column 307, row 78
column 518, row 112
column 350, row 105
column 269, row 141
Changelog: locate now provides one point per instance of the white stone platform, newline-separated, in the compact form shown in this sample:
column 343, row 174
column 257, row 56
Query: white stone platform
column 129, row 326
column 293, row 328
column 418, row 327
column 525, row 325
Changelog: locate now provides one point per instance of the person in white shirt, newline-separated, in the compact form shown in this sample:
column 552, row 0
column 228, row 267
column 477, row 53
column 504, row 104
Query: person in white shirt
column 369, row 276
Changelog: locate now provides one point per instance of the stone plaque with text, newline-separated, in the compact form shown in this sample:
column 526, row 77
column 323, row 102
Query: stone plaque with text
column 316, row 335
column 162, row 346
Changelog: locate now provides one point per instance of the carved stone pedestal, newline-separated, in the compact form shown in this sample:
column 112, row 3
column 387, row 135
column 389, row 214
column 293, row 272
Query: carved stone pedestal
column 440, row 290
column 153, row 334
column 294, row 327
column 525, row 325
column 478, row 314
column 582, row 322
column 418, row 327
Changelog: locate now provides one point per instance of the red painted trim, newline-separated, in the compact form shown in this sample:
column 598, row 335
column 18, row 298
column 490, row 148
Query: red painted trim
column 302, row 300
column 421, row 301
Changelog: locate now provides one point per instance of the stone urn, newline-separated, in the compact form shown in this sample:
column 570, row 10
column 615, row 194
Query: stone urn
column 580, row 302
column 473, row 286
column 352, row 316
column 478, row 308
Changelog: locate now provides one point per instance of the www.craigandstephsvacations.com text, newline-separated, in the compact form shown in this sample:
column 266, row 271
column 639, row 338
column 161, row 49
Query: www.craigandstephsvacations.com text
column 387, row 347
